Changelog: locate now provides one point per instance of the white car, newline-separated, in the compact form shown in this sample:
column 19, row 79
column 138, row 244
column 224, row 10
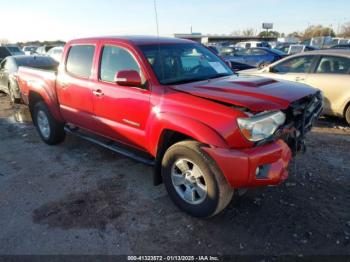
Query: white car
column 56, row 53
column 327, row 70
column 29, row 50
column 251, row 44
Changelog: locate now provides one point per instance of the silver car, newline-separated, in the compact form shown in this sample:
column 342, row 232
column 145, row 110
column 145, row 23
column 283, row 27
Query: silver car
column 327, row 70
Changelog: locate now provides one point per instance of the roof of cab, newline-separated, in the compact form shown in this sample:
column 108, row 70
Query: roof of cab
column 342, row 52
column 136, row 40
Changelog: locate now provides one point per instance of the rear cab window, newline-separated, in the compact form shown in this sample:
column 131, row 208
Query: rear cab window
column 40, row 62
column 80, row 60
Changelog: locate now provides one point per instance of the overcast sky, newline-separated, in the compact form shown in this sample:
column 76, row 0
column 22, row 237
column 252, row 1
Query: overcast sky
column 66, row 19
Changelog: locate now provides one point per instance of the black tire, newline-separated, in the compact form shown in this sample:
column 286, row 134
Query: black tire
column 14, row 99
column 219, row 193
column 56, row 129
column 347, row 114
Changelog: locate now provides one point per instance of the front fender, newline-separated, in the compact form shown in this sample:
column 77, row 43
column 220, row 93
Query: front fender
column 182, row 124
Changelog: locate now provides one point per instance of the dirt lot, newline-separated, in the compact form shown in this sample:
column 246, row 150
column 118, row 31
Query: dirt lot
column 77, row 198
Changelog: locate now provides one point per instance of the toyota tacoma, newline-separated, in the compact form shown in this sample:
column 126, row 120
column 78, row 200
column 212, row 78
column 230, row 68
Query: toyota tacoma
column 175, row 105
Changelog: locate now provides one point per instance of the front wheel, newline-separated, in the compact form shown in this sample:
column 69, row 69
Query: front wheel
column 347, row 114
column 193, row 180
column 50, row 130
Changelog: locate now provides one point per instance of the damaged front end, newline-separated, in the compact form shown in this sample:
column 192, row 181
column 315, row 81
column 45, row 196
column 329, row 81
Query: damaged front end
column 300, row 118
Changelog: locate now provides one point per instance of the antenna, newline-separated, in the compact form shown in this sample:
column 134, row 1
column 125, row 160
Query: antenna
column 156, row 13
column 159, row 53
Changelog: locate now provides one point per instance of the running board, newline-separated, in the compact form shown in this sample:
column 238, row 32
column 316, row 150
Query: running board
column 113, row 146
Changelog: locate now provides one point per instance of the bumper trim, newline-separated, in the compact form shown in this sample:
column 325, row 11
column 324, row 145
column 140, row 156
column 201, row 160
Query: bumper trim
column 239, row 166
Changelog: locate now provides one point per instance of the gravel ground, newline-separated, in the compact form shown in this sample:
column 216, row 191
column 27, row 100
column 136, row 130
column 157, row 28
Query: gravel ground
column 77, row 198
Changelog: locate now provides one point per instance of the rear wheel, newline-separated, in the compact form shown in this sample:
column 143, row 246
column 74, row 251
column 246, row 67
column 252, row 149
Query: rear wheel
column 347, row 114
column 193, row 181
column 50, row 130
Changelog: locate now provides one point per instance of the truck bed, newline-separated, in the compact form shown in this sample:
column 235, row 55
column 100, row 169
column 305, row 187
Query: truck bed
column 39, row 83
column 36, row 79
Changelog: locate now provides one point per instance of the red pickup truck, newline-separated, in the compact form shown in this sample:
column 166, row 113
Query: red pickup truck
column 176, row 105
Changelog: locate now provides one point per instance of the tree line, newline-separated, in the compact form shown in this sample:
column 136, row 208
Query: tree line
column 309, row 32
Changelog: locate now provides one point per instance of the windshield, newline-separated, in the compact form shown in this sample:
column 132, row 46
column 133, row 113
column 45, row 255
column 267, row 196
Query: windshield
column 278, row 52
column 184, row 63
column 14, row 49
column 41, row 62
column 29, row 48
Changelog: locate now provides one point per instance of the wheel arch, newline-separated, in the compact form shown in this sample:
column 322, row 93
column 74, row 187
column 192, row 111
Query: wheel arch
column 35, row 97
column 166, row 133
column 347, row 105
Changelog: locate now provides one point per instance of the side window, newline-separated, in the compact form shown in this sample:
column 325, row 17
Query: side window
column 4, row 52
column 115, row 59
column 300, row 64
column 257, row 52
column 3, row 64
column 79, row 61
column 243, row 52
column 333, row 65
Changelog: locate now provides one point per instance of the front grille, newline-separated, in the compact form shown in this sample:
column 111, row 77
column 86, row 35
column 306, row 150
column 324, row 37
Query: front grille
column 300, row 117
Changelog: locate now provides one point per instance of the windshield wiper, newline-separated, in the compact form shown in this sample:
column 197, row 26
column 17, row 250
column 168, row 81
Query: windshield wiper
column 185, row 81
column 218, row 76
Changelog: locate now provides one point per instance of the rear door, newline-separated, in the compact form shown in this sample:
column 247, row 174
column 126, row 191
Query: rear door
column 332, row 76
column 121, row 111
column 74, row 86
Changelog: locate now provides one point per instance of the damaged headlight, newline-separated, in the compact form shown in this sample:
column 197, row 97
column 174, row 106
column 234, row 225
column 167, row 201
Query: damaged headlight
column 261, row 126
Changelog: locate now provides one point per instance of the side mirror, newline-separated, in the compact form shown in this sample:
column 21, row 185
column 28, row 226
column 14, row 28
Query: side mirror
column 128, row 78
column 228, row 63
column 270, row 70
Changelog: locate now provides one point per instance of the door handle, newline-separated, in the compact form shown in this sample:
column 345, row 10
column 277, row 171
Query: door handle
column 298, row 78
column 98, row 93
column 63, row 85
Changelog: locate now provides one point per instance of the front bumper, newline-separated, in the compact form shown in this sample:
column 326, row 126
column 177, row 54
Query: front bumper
column 259, row 166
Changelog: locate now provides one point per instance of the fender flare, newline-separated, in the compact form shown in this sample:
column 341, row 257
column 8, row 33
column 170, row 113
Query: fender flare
column 190, row 127
column 49, row 99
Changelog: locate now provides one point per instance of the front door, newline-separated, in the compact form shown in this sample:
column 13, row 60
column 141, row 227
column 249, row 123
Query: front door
column 121, row 112
column 296, row 69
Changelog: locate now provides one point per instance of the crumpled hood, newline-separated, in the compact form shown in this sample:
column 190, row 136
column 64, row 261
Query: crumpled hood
column 252, row 92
